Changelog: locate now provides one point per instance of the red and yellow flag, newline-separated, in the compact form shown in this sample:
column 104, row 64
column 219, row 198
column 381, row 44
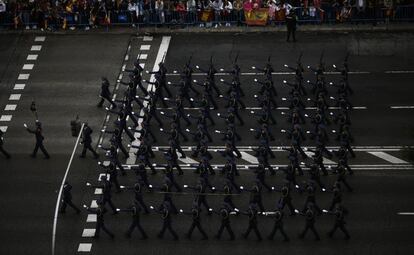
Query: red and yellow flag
column 257, row 17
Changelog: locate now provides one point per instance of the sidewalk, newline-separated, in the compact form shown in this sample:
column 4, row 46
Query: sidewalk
column 393, row 27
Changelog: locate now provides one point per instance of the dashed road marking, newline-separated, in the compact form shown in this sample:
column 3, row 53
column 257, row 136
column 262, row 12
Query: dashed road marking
column 6, row 117
column 402, row 107
column 98, row 191
column 40, row 38
column 399, row 72
column 28, row 66
column 188, row 160
column 145, row 47
column 3, row 128
column 142, row 56
column 148, row 38
column 10, row 107
column 36, row 48
column 94, row 204
column 100, row 176
column 91, row 218
column 387, row 157
column 142, row 65
column 249, row 158
column 23, row 76
column 406, row 213
column 32, row 57
column 88, row 232
column 15, row 97
column 19, row 86
column 84, row 247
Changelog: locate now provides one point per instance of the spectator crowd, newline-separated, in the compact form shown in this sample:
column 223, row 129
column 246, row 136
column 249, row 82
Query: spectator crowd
column 69, row 14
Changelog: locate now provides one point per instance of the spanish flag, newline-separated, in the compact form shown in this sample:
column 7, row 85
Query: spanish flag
column 257, row 17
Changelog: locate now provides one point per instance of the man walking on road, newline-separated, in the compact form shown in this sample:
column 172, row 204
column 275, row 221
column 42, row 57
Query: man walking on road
column 87, row 141
column 39, row 140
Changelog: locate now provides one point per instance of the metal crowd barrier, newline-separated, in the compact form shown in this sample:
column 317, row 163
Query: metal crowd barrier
column 326, row 15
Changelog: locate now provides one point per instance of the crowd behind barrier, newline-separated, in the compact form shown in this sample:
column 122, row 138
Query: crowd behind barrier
column 86, row 14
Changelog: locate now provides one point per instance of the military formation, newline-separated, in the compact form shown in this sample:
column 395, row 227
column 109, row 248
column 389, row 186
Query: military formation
column 164, row 107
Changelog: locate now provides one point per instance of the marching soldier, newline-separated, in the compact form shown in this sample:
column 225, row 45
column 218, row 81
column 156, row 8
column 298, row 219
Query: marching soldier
column 135, row 210
column 106, row 193
column 278, row 225
column 165, row 212
column 105, row 93
column 224, row 213
column 67, row 199
column 196, row 223
column 5, row 153
column 39, row 140
column 340, row 212
column 310, row 216
column 100, row 211
column 87, row 141
column 138, row 198
column 252, row 213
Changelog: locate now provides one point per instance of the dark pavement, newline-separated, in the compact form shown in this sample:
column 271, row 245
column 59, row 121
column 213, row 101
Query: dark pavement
column 65, row 81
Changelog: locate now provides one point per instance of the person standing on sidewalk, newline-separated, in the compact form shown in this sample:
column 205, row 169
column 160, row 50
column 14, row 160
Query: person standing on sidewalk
column 291, row 26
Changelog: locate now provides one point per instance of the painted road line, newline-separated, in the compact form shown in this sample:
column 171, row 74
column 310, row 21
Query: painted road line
column 142, row 65
column 3, row 128
column 145, row 47
column 91, row 218
column 399, row 72
column 387, row 157
column 274, row 73
column 142, row 56
column 100, row 176
column 36, row 48
column 15, row 97
column 402, row 107
column 10, row 107
column 19, row 86
column 88, row 232
column 32, row 57
column 40, row 38
column 406, row 213
column 126, row 57
column 162, row 52
column 148, row 38
column 6, row 117
column 325, row 160
column 188, row 160
column 93, row 204
column 249, row 158
column 98, row 191
column 23, row 76
column 28, row 66
column 84, row 247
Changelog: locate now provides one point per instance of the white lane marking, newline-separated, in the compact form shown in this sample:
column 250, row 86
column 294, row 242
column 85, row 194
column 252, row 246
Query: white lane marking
column 28, row 66
column 142, row 56
column 406, row 213
column 148, row 38
column 120, row 76
column 32, row 57
column 19, row 86
column 6, row 117
column 40, row 38
column 277, row 148
column 91, row 218
column 84, row 247
column 188, row 160
column 3, row 128
column 249, row 158
column 402, row 107
column 359, row 107
column 145, row 47
column 387, row 157
column 165, row 42
column 98, row 191
column 126, row 57
column 398, row 72
column 100, row 176
column 325, row 160
column 274, row 73
column 142, row 65
column 23, row 76
column 94, row 204
column 10, row 107
column 259, row 108
column 36, row 48
column 88, row 232
column 15, row 97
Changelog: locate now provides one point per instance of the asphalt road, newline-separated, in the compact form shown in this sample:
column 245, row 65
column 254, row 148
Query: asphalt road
column 65, row 82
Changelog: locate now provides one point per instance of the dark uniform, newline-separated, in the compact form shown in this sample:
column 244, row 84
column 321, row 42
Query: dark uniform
column 165, row 212
column 278, row 225
column 100, row 211
column 252, row 213
column 135, row 210
column 224, row 212
column 39, row 140
column 2, row 150
column 291, row 25
column 196, row 223
column 67, row 199
column 310, row 223
column 339, row 213
column 105, row 93
column 87, row 141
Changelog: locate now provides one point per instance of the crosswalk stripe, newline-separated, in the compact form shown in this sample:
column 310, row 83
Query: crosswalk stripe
column 84, row 247
column 94, row 204
column 188, row 160
column 249, row 158
column 32, row 57
column 145, row 47
column 387, row 157
column 3, row 128
column 40, row 38
column 91, row 218
column 88, row 232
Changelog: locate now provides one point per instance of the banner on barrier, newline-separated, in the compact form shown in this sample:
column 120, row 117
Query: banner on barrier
column 257, row 17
